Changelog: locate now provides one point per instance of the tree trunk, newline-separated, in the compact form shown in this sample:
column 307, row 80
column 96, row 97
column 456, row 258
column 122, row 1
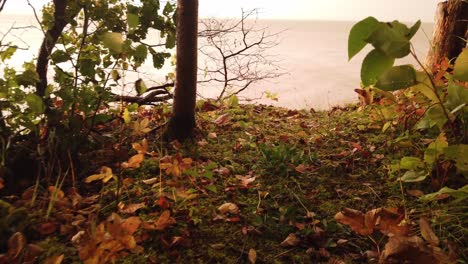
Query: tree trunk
column 450, row 32
column 48, row 44
column 182, row 122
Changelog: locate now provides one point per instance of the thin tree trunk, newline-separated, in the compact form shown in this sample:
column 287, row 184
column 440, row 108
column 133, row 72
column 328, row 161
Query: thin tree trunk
column 450, row 32
column 182, row 123
column 50, row 39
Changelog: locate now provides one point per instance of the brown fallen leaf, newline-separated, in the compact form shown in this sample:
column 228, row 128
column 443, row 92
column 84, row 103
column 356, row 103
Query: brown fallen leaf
column 47, row 228
column 165, row 220
column 105, row 175
column 229, row 208
column 150, row 181
column 252, row 256
column 290, row 241
column 427, row 233
column 245, row 180
column 415, row 193
column 401, row 249
column 56, row 259
column 131, row 225
column 222, row 119
column 16, row 244
column 55, row 193
column 355, row 220
column 130, row 208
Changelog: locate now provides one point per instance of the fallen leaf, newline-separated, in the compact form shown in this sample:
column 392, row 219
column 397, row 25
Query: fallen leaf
column 151, row 181
column 131, row 225
column 47, row 228
column 355, row 220
column 55, row 192
column 401, row 249
column 163, row 203
column 229, row 208
column 301, row 168
column 415, row 193
column 245, row 180
column 290, row 241
column 16, row 244
column 56, row 259
column 165, row 220
column 105, row 175
column 130, row 208
column 77, row 238
column 427, row 233
column 222, row 119
column 2, row 183
column 141, row 148
column 252, row 256
column 134, row 161
column 212, row 135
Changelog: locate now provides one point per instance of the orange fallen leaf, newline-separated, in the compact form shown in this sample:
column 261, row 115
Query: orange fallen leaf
column 222, row 119
column 229, row 208
column 134, row 161
column 252, row 256
column 56, row 259
column 290, row 241
column 355, row 220
column 427, row 233
column 245, row 180
column 105, row 175
column 165, row 220
column 55, row 192
column 130, row 208
column 131, row 224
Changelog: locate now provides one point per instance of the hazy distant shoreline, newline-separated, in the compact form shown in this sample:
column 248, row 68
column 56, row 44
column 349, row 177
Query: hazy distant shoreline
column 313, row 52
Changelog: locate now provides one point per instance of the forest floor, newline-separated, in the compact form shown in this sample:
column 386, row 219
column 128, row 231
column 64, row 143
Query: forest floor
column 258, row 184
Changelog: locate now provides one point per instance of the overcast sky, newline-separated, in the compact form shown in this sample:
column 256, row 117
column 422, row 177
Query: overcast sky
column 404, row 10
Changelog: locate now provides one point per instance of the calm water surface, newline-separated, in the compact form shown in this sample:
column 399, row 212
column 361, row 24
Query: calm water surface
column 313, row 53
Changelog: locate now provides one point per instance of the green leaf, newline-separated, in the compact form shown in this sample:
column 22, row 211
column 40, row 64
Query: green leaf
column 413, row 30
column 359, row 33
column 374, row 64
column 140, row 87
column 411, row 163
column 60, row 56
column 413, row 176
column 141, row 52
column 113, row 41
column 460, row 69
column 424, row 86
column 437, row 116
column 396, row 78
column 168, row 9
column 7, row 53
column 133, row 21
column 28, row 77
column 35, row 103
column 461, row 193
column 457, row 96
column 435, row 149
column 212, row 188
column 391, row 39
column 126, row 116
column 459, row 153
column 158, row 60
column 115, row 75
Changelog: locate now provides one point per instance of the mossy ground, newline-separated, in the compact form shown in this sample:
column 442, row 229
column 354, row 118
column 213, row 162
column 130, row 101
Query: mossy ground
column 307, row 166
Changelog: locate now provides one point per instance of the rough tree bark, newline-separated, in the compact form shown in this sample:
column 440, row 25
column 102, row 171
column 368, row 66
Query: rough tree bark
column 450, row 31
column 50, row 39
column 182, row 122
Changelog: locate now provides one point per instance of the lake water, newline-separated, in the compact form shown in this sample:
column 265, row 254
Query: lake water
column 312, row 53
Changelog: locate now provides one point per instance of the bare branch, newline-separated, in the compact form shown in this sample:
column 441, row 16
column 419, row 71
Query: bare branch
column 235, row 53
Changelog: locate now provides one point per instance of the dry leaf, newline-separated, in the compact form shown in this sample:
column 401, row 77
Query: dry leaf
column 355, row 220
column 141, row 128
column 130, row 208
column 400, row 249
column 252, row 256
column 55, row 192
column 76, row 239
column 176, row 165
column 301, row 168
column 141, row 148
column 212, row 135
column 131, row 225
column 54, row 259
column 415, row 193
column 427, row 233
column 229, row 208
column 16, row 245
column 105, row 175
column 151, row 181
column 164, row 221
column 290, row 241
column 222, row 119
column 134, row 161
column 47, row 228
column 245, row 180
